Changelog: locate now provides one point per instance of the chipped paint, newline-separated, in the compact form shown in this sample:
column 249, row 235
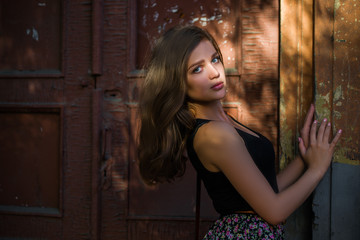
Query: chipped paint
column 156, row 18
column 345, row 154
column 34, row 35
column 337, row 4
column 286, row 145
column 204, row 20
column 144, row 20
column 174, row 9
column 338, row 94
column 322, row 104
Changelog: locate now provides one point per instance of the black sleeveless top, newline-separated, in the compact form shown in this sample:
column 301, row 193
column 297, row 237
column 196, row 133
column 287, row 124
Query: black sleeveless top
column 226, row 199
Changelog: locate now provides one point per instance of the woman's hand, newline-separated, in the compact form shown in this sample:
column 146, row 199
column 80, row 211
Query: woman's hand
column 304, row 132
column 319, row 152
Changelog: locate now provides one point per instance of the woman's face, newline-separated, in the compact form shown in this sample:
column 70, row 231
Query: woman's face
column 205, row 74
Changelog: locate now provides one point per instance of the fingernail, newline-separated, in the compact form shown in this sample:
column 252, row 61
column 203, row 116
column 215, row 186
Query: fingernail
column 329, row 124
column 340, row 131
column 325, row 120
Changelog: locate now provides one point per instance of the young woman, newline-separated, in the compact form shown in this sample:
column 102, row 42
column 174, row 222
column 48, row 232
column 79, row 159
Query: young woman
column 182, row 117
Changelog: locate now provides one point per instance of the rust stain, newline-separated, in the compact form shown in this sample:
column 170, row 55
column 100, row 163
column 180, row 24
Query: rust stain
column 346, row 154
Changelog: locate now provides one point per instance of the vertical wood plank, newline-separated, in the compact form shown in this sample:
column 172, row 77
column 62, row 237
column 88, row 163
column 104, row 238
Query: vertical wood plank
column 323, row 64
column 296, row 72
column 345, row 197
column 296, row 93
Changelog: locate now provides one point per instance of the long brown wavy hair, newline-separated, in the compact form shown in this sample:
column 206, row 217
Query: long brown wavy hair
column 164, row 113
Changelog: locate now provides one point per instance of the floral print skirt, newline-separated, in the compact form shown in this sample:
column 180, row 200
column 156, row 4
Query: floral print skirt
column 244, row 226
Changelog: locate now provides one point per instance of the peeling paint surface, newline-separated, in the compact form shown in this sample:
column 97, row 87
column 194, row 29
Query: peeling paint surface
column 34, row 33
column 338, row 95
column 156, row 16
column 337, row 76
column 31, row 37
column 346, row 95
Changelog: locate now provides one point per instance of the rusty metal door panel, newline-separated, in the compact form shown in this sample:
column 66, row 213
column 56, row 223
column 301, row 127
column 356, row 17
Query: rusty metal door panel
column 46, row 125
column 30, row 153
column 28, row 43
column 30, row 172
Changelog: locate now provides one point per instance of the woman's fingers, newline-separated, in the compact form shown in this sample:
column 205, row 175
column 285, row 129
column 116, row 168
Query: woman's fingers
column 327, row 133
column 302, row 147
column 320, row 135
column 309, row 116
column 304, row 132
column 324, row 134
column 313, row 133
column 336, row 139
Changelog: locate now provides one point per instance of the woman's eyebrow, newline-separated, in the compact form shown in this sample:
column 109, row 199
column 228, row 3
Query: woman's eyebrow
column 215, row 54
column 196, row 63
column 201, row 61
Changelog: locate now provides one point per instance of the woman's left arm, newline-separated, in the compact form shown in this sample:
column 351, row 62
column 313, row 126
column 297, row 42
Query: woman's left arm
column 291, row 173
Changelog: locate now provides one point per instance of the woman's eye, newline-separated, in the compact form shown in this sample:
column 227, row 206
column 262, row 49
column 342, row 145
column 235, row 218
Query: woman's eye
column 197, row 70
column 216, row 59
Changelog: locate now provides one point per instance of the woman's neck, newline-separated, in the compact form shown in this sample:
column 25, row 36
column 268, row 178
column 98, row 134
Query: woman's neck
column 212, row 111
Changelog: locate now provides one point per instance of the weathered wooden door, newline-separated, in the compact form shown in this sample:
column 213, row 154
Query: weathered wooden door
column 69, row 75
column 46, row 125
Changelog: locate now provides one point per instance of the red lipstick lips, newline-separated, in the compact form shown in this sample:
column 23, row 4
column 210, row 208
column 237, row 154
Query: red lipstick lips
column 218, row 86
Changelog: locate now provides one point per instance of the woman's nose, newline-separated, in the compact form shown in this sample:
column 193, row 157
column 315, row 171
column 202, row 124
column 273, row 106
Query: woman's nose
column 213, row 71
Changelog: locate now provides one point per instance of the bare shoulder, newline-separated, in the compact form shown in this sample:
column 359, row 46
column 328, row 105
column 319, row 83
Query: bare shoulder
column 215, row 132
column 215, row 129
column 214, row 141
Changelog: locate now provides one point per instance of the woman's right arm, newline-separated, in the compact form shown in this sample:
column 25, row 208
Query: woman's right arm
column 220, row 148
